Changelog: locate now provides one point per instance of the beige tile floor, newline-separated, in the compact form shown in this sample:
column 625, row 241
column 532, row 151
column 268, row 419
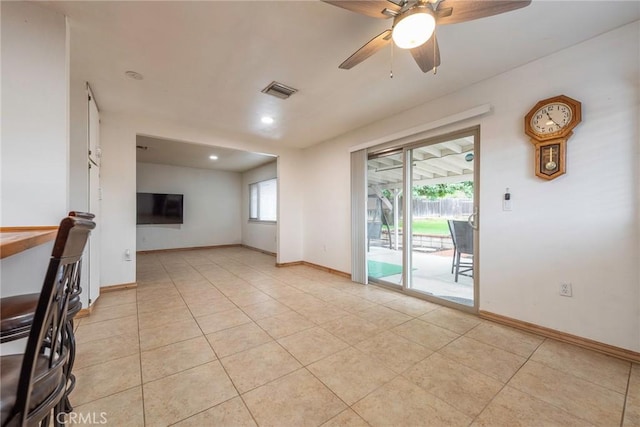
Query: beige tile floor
column 221, row 337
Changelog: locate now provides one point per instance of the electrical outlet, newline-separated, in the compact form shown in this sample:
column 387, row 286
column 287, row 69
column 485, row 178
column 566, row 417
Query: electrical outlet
column 565, row 290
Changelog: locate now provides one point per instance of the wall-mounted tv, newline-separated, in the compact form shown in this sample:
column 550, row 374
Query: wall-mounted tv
column 155, row 208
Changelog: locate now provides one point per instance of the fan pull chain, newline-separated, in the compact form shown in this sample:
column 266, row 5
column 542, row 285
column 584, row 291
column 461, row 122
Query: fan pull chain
column 435, row 67
column 391, row 66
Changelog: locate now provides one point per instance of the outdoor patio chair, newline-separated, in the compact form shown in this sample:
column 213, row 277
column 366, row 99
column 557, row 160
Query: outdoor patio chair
column 462, row 236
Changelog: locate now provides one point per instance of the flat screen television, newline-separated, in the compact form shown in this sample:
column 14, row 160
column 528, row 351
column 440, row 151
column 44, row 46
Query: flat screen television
column 156, row 208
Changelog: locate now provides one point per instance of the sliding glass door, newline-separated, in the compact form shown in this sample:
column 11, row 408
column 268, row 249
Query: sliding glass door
column 442, row 218
column 384, row 218
column 426, row 243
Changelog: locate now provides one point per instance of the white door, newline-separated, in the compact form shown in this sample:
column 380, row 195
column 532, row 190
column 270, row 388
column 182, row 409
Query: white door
column 94, row 197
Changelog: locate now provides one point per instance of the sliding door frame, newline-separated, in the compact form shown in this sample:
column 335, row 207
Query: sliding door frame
column 408, row 209
column 382, row 153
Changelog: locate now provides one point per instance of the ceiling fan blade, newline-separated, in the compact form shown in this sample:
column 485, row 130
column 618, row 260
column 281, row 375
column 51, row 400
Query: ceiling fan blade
column 466, row 10
column 427, row 55
column 371, row 8
column 372, row 46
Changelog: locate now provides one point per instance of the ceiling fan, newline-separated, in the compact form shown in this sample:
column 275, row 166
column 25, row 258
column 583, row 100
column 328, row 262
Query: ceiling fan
column 414, row 24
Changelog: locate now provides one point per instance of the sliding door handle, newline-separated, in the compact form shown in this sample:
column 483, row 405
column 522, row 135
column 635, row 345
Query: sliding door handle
column 472, row 220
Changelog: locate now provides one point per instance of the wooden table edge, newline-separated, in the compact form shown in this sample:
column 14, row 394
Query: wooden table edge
column 34, row 236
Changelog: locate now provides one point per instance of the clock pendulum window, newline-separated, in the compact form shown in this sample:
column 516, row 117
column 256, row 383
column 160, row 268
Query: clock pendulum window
column 550, row 124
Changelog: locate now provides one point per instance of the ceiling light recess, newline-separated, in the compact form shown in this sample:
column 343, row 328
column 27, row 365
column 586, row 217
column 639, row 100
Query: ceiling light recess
column 213, row 157
column 414, row 27
column 279, row 90
column 267, row 120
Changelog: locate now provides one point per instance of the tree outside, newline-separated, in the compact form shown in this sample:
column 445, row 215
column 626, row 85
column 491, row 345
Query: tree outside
column 435, row 225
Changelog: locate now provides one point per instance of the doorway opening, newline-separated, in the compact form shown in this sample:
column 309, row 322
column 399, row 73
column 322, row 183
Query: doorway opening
column 224, row 196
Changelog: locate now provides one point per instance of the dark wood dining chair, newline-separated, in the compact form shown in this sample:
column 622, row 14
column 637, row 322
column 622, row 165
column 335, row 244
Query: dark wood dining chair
column 16, row 312
column 75, row 305
column 36, row 382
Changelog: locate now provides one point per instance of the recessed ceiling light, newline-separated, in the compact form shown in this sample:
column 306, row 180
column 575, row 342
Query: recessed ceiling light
column 213, row 157
column 267, row 120
column 134, row 75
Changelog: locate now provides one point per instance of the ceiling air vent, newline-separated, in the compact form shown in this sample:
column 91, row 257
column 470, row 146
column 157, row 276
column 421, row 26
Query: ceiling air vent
column 279, row 90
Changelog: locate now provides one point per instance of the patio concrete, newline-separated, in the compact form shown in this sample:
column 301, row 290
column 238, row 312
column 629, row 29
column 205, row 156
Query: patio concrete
column 431, row 274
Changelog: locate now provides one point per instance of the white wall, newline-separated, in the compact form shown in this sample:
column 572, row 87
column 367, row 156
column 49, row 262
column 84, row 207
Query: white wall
column 34, row 135
column 78, row 146
column 582, row 227
column 291, row 192
column 259, row 235
column 118, row 180
column 35, row 115
column 327, row 206
column 212, row 201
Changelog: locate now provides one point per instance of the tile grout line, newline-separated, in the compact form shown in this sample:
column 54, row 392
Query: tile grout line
column 305, row 367
column 296, row 282
column 544, row 401
column 222, row 366
column 507, row 383
column 281, row 346
column 626, row 396
column 113, row 359
column 144, row 411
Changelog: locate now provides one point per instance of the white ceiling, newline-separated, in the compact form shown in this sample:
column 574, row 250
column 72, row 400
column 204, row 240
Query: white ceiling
column 177, row 153
column 204, row 63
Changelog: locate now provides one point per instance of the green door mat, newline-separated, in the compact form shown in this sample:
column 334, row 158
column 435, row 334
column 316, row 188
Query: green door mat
column 382, row 269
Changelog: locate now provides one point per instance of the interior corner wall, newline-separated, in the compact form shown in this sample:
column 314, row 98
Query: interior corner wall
column 78, row 146
column 212, row 205
column 259, row 235
column 118, row 205
column 582, row 227
column 327, row 206
column 291, row 195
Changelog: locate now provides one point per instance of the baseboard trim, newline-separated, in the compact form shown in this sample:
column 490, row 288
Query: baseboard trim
column 85, row 312
column 259, row 250
column 289, row 264
column 609, row 350
column 316, row 266
column 120, row 287
column 192, row 248
column 327, row 269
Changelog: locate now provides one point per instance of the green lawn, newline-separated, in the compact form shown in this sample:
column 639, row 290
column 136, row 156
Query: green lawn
column 430, row 226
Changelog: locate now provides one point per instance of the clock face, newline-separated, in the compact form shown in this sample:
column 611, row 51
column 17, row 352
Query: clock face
column 551, row 118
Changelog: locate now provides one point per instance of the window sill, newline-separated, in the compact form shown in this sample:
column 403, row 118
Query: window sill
column 260, row 221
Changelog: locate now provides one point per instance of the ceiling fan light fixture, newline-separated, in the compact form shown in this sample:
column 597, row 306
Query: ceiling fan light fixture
column 414, row 27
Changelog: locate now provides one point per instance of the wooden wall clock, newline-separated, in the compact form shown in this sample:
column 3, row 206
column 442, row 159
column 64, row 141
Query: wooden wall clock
column 550, row 124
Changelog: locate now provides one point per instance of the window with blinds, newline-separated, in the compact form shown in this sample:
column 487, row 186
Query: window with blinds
column 263, row 200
